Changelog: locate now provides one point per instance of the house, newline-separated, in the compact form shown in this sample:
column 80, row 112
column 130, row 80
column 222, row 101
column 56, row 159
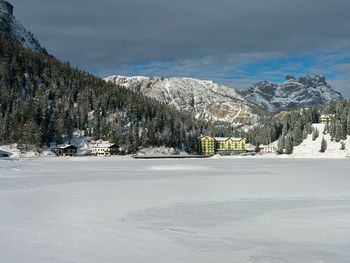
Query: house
column 107, row 149
column 326, row 118
column 65, row 150
column 221, row 145
column 265, row 149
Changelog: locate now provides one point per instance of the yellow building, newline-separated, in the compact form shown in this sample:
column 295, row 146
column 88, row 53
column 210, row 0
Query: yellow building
column 206, row 145
column 221, row 145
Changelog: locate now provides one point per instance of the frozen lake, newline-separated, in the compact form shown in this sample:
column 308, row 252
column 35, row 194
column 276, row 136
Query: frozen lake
column 213, row 210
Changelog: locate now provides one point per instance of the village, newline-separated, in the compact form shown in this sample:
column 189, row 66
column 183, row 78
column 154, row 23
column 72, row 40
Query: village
column 208, row 146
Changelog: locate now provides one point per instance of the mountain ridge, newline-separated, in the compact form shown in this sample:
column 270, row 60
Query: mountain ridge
column 292, row 93
column 206, row 99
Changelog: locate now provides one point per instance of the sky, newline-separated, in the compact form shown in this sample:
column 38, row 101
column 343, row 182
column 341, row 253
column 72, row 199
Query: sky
column 235, row 42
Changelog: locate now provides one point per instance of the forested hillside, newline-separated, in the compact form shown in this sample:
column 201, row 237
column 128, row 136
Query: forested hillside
column 291, row 128
column 339, row 126
column 43, row 101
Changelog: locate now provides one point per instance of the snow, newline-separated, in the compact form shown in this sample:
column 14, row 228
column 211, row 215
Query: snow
column 12, row 151
column 205, row 99
column 292, row 93
column 158, row 151
column 311, row 149
column 79, row 140
column 212, row 210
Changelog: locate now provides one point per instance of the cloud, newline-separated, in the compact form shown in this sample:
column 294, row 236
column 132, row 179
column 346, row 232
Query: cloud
column 226, row 40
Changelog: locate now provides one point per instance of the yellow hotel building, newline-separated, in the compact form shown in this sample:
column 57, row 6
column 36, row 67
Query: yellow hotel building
column 210, row 146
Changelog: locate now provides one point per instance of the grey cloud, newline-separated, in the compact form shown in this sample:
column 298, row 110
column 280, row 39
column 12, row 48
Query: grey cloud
column 104, row 35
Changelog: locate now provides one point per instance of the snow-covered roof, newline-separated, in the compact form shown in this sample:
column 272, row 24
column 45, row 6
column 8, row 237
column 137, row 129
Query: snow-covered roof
column 65, row 146
column 223, row 139
column 104, row 145
column 272, row 145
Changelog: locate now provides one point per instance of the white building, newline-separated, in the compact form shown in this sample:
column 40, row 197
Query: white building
column 326, row 118
column 264, row 149
column 105, row 149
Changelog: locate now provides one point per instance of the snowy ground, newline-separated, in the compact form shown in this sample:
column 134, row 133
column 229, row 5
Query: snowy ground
column 311, row 149
column 214, row 210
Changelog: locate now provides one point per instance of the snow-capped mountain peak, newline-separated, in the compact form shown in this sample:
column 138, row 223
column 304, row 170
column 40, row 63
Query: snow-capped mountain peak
column 292, row 93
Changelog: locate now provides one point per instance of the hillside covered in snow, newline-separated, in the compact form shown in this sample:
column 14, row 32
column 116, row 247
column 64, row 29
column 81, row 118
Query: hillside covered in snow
column 206, row 99
column 13, row 29
column 292, row 93
column 310, row 148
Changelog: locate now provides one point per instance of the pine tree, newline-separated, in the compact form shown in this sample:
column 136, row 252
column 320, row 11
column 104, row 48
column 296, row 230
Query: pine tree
column 348, row 123
column 323, row 145
column 342, row 146
column 280, row 144
column 289, row 144
column 315, row 134
column 297, row 133
column 338, row 131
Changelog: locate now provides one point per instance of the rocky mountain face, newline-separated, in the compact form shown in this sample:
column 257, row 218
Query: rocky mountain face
column 206, row 99
column 13, row 29
column 292, row 93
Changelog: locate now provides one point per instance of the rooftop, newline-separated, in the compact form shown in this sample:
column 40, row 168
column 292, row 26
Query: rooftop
column 223, row 139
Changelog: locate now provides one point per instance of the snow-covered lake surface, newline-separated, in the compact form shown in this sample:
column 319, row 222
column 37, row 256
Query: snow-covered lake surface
column 215, row 210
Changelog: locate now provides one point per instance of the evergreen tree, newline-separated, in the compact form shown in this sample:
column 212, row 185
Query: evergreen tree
column 342, row 146
column 315, row 134
column 338, row 131
column 297, row 132
column 289, row 145
column 323, row 145
column 348, row 123
column 280, row 144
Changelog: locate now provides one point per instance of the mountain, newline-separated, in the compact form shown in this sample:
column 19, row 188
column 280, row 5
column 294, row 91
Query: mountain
column 13, row 29
column 292, row 93
column 206, row 99
column 44, row 101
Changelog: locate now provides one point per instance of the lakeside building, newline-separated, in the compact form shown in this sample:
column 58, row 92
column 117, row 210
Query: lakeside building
column 107, row 149
column 210, row 146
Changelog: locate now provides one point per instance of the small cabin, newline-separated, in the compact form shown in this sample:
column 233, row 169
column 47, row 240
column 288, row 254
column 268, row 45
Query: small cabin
column 105, row 149
column 65, row 150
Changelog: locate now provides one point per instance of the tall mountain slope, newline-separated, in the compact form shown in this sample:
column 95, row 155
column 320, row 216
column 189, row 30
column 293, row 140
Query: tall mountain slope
column 43, row 100
column 206, row 99
column 13, row 29
column 292, row 93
